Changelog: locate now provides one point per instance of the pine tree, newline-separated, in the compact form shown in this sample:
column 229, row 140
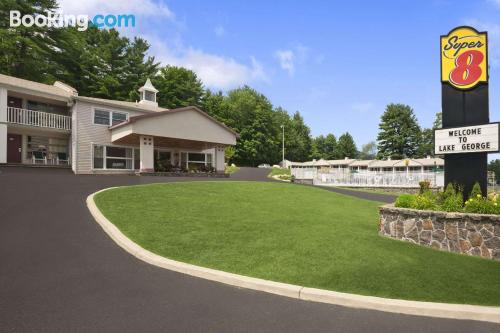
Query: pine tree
column 26, row 52
column 346, row 147
column 399, row 133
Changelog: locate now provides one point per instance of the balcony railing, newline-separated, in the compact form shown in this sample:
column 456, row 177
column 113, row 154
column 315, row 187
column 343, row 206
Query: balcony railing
column 38, row 119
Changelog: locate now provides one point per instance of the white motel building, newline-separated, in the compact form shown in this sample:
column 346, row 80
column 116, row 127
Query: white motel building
column 370, row 173
column 51, row 125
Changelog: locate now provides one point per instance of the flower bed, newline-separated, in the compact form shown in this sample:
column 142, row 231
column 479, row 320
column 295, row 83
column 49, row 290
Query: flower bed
column 450, row 200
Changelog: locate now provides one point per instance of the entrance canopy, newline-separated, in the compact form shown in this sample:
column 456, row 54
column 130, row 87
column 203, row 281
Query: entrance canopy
column 187, row 127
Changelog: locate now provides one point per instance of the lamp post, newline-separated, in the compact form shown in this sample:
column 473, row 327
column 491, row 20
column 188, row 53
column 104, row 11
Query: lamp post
column 283, row 148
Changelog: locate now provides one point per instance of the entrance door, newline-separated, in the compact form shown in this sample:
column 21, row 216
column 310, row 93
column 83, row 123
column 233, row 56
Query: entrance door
column 14, row 142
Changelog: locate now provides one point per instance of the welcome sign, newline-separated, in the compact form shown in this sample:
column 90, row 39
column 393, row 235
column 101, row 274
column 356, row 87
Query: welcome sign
column 464, row 60
column 469, row 139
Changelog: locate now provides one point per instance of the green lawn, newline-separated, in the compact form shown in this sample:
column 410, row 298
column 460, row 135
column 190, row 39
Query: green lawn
column 377, row 190
column 294, row 234
column 284, row 172
column 279, row 171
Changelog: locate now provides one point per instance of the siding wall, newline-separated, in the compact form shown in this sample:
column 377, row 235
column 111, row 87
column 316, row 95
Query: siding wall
column 87, row 133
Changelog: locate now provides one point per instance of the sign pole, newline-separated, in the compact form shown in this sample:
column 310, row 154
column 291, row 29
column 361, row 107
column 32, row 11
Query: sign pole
column 464, row 108
column 464, row 88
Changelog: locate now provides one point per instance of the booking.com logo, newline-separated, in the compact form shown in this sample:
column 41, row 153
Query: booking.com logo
column 59, row 20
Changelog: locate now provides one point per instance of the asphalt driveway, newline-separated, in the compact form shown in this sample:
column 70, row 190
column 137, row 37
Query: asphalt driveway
column 59, row 272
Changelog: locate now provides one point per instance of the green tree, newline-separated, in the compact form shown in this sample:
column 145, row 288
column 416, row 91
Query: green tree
column 426, row 142
column 252, row 117
column 300, row 139
column 317, row 147
column 26, row 52
column 368, row 151
column 438, row 121
column 214, row 104
column 399, row 133
column 178, row 87
column 330, row 149
column 140, row 67
column 346, row 147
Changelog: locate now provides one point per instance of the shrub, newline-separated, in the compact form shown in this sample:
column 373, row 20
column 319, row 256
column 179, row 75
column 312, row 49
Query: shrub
column 481, row 206
column 425, row 201
column 425, row 185
column 476, row 191
column 405, row 201
column 453, row 203
column 451, row 199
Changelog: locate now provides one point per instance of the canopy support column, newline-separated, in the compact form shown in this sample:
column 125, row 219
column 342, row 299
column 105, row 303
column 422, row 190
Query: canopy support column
column 147, row 153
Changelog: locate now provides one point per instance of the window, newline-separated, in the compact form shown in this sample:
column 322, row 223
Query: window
column 44, row 107
column 98, row 157
column 102, row 117
column 109, row 157
column 149, row 96
column 50, row 147
column 196, row 160
column 119, row 118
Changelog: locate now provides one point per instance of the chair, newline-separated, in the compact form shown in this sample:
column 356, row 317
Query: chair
column 62, row 158
column 39, row 156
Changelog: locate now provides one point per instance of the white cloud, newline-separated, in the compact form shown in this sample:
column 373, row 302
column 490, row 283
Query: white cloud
column 215, row 71
column 297, row 54
column 135, row 7
column 493, row 30
column 286, row 60
column 219, row 31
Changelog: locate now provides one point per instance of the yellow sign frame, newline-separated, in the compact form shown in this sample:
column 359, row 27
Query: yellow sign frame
column 464, row 71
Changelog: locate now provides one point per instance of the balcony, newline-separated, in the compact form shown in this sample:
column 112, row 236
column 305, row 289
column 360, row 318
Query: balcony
column 38, row 119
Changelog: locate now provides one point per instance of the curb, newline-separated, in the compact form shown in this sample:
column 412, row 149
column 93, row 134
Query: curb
column 428, row 309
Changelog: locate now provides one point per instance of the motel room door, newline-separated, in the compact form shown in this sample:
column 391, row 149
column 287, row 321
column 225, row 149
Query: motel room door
column 14, row 144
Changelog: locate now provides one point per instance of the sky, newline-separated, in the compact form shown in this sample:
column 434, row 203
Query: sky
column 337, row 62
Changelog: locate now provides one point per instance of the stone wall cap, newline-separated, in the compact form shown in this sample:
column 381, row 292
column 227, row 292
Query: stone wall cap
column 448, row 215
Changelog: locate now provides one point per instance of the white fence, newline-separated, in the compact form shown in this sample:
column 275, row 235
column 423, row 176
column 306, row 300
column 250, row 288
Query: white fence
column 38, row 119
column 346, row 177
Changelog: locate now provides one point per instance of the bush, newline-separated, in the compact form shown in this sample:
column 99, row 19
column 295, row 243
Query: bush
column 425, row 185
column 453, row 203
column 451, row 200
column 476, row 191
column 481, row 206
column 405, row 201
column 425, row 201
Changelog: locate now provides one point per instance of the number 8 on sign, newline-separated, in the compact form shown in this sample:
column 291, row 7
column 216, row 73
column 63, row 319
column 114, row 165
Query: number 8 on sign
column 467, row 69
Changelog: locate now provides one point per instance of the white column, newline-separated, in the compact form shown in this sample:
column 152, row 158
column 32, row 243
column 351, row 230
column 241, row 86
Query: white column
column 3, row 125
column 147, row 153
column 219, row 159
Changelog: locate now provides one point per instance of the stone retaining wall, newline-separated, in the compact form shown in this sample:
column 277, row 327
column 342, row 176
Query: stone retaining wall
column 472, row 234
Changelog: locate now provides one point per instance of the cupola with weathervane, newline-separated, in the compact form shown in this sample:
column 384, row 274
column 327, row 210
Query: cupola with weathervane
column 148, row 93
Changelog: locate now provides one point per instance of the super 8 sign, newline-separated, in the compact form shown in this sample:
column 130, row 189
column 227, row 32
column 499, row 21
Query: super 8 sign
column 464, row 57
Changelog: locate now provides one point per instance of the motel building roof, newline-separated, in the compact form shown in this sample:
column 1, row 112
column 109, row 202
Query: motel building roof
column 187, row 127
column 413, row 162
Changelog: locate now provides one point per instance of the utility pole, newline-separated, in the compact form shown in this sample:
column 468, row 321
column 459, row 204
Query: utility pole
column 283, row 148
